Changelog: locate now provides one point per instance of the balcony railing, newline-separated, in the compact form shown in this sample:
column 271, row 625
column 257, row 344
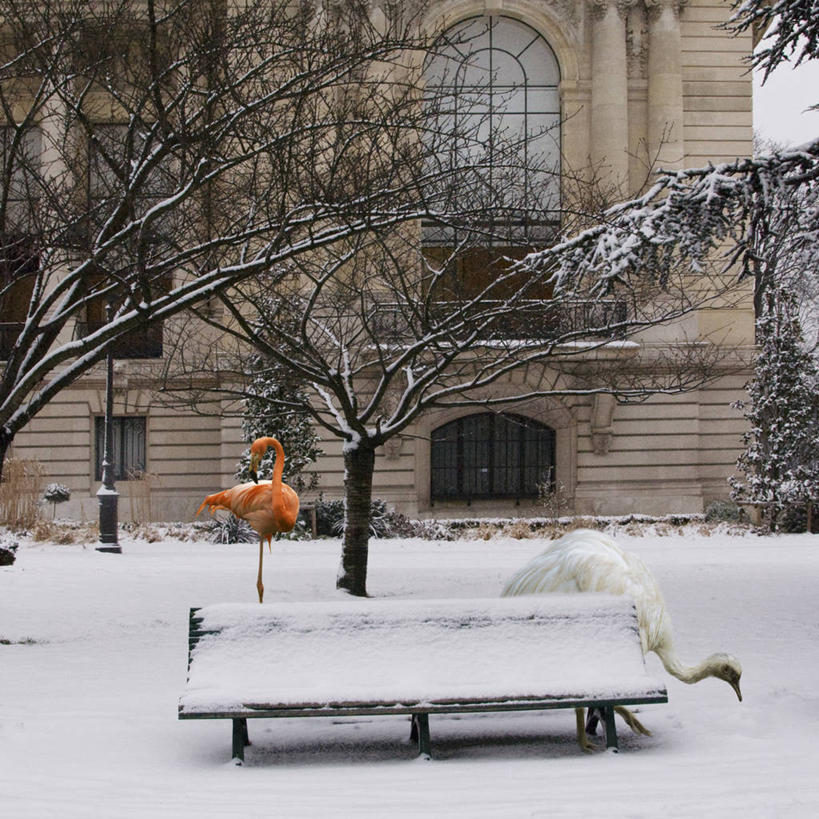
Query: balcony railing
column 145, row 342
column 531, row 320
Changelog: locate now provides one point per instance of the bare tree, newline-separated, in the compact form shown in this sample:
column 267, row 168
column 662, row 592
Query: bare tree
column 447, row 312
column 378, row 331
column 155, row 152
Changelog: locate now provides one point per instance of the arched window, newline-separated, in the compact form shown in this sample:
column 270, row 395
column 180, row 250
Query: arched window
column 490, row 455
column 492, row 88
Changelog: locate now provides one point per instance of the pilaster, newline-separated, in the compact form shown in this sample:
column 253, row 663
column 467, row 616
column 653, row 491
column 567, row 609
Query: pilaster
column 609, row 92
column 665, row 90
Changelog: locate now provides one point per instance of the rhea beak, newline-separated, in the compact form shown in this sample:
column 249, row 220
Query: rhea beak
column 735, row 686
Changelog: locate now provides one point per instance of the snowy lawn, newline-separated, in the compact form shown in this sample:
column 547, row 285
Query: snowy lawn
column 93, row 662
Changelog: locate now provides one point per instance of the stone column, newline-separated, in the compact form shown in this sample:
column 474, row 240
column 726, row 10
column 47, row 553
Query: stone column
column 665, row 93
column 609, row 92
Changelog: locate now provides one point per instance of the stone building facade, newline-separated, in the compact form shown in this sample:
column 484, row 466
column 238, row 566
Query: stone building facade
column 639, row 81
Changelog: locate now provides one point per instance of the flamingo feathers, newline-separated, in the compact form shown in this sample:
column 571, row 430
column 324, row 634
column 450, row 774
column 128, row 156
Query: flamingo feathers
column 270, row 507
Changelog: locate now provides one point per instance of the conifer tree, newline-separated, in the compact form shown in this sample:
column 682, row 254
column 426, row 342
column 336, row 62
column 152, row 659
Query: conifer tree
column 274, row 406
column 780, row 464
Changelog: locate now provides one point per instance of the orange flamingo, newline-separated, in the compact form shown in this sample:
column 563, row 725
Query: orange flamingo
column 270, row 507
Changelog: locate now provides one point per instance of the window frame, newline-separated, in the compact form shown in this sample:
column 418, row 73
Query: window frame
column 465, row 478
column 487, row 101
column 122, row 472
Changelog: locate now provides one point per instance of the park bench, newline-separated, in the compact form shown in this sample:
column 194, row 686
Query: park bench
column 414, row 657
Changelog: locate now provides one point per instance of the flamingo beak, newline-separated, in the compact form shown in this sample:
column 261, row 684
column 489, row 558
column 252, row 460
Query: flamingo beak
column 254, row 465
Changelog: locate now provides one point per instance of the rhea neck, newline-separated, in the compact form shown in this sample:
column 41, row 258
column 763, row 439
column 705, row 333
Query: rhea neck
column 685, row 673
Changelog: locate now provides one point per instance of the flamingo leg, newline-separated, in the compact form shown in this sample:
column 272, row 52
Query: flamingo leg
column 259, row 584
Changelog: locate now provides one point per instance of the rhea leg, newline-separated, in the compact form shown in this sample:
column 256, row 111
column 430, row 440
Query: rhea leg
column 632, row 721
column 259, row 584
column 582, row 739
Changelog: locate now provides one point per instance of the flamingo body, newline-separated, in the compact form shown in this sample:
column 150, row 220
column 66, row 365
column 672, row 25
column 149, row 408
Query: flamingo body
column 270, row 507
column 253, row 502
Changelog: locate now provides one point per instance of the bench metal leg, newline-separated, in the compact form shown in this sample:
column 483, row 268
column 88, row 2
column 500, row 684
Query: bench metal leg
column 611, row 729
column 240, row 739
column 419, row 732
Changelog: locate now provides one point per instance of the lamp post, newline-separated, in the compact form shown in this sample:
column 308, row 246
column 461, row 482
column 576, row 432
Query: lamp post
column 107, row 493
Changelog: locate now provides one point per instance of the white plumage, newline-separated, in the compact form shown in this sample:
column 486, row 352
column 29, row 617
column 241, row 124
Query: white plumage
column 589, row 561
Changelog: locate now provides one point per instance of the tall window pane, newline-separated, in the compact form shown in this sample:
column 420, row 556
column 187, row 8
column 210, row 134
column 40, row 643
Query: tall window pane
column 492, row 83
column 492, row 90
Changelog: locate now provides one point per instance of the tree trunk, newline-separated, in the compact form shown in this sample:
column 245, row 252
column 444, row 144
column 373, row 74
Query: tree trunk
column 359, row 464
column 5, row 443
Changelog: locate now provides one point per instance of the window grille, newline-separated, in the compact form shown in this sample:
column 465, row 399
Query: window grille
column 492, row 90
column 128, row 446
column 492, row 86
column 491, row 455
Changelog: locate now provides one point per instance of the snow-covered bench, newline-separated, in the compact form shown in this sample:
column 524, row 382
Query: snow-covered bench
column 414, row 657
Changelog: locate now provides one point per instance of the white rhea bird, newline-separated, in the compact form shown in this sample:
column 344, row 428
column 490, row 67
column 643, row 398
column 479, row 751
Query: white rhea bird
column 589, row 561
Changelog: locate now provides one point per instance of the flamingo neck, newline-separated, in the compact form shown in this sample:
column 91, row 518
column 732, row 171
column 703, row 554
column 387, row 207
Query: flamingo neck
column 276, row 479
column 278, row 466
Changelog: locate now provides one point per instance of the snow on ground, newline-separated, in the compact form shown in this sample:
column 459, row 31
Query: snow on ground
column 93, row 660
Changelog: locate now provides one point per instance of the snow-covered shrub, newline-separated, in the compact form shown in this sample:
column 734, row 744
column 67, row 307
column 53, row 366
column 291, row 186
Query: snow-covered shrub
column 329, row 517
column 301, row 531
column 56, row 493
column 724, row 510
column 379, row 519
column 231, row 530
column 7, row 549
column 795, row 519
column 384, row 522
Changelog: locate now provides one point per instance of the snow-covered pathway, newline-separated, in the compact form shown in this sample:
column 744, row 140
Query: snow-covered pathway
column 88, row 722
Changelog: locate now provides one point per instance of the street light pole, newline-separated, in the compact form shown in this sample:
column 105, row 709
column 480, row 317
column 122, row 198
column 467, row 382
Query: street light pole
column 107, row 493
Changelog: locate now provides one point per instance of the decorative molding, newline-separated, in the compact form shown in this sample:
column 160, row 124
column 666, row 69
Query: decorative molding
column 392, row 448
column 600, row 7
column 625, row 7
column 566, row 9
column 601, row 423
column 654, row 8
column 637, row 43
